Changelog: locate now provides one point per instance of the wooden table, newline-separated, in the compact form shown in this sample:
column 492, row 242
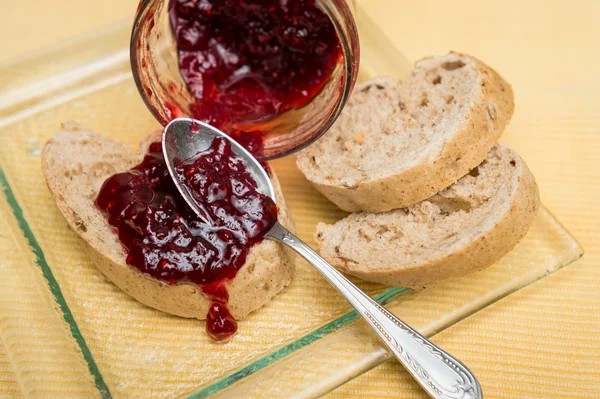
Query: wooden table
column 543, row 341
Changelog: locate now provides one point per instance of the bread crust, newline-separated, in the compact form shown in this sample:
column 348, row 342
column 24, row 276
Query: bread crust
column 76, row 162
column 463, row 150
column 477, row 252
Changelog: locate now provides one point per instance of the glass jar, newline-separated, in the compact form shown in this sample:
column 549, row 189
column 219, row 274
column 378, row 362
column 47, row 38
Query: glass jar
column 155, row 66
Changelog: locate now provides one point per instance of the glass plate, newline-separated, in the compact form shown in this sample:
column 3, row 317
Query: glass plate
column 68, row 331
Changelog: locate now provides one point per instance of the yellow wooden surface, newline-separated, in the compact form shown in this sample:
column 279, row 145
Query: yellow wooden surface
column 543, row 341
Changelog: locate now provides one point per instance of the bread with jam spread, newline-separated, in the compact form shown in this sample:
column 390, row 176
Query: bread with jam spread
column 75, row 164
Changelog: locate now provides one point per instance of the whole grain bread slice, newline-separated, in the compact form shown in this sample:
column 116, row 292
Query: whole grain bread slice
column 398, row 143
column 464, row 228
column 77, row 161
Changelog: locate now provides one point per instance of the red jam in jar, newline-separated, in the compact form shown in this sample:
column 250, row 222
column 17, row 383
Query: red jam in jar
column 247, row 61
column 165, row 239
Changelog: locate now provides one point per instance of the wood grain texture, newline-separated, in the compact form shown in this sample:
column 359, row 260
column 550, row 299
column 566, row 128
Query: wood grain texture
column 549, row 51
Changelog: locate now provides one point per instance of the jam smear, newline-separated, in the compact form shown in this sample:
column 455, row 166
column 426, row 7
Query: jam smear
column 164, row 238
column 246, row 61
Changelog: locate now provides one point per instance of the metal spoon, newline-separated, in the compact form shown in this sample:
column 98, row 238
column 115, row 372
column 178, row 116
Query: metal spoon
column 440, row 374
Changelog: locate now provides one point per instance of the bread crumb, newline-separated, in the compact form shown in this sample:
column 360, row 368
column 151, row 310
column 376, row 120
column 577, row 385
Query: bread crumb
column 359, row 137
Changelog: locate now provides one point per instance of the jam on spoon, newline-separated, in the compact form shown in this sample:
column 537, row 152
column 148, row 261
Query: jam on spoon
column 164, row 238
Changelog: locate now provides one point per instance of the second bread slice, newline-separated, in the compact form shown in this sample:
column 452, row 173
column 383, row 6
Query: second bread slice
column 398, row 143
column 464, row 228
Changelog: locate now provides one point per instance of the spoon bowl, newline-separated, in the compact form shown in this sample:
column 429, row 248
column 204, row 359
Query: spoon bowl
column 183, row 138
column 440, row 374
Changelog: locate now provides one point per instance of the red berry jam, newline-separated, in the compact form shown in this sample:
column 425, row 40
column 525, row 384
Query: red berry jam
column 220, row 324
column 246, row 61
column 165, row 239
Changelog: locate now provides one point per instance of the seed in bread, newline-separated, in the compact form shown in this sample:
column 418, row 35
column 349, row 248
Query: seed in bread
column 398, row 143
column 464, row 228
column 77, row 161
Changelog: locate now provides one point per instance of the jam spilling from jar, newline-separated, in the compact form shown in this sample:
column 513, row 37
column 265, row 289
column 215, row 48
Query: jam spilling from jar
column 246, row 61
column 164, row 238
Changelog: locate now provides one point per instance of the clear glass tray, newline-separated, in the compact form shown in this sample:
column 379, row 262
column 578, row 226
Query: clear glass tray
column 68, row 331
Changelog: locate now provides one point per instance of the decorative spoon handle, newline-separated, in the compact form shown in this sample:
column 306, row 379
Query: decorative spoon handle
column 440, row 374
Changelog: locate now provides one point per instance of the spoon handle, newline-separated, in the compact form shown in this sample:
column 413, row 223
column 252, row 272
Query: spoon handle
column 440, row 374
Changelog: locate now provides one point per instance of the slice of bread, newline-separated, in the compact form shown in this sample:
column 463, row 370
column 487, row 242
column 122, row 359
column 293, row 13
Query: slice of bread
column 398, row 143
column 464, row 228
column 77, row 161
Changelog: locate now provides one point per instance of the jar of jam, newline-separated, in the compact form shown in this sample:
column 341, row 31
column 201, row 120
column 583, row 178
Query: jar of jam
column 273, row 74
